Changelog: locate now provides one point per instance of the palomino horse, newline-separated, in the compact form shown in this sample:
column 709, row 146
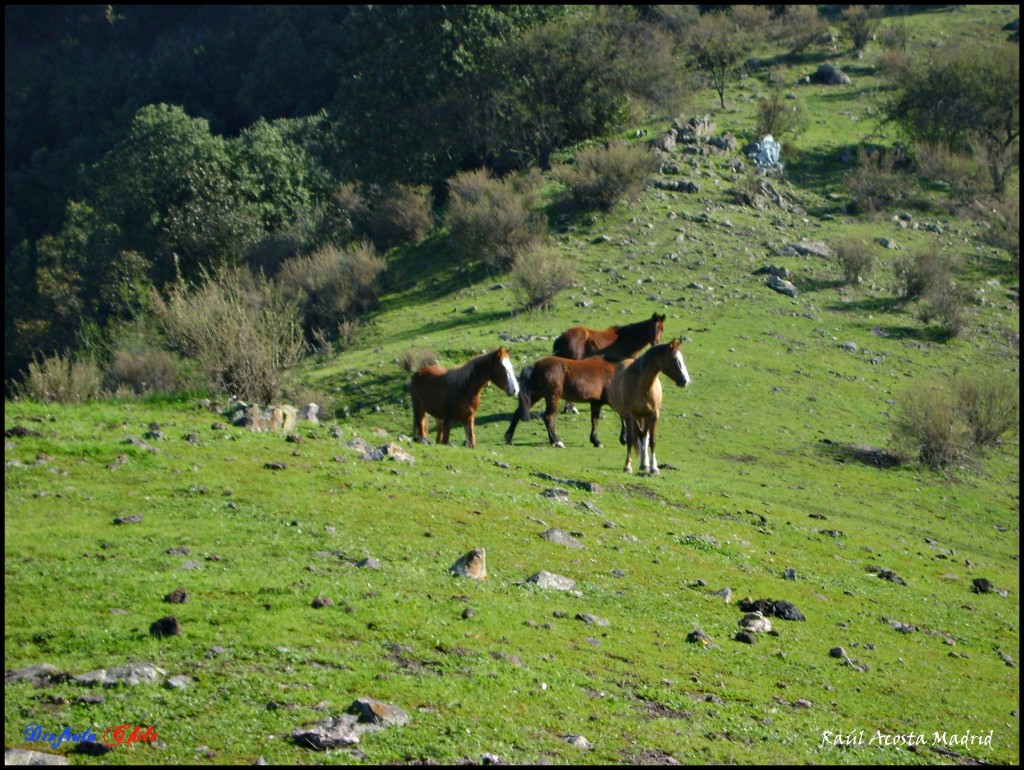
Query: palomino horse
column 636, row 395
column 555, row 378
column 614, row 342
column 453, row 395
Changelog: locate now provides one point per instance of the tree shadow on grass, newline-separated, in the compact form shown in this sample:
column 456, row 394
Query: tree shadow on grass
column 866, row 455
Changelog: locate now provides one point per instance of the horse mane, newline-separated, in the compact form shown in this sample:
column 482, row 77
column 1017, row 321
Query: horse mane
column 459, row 377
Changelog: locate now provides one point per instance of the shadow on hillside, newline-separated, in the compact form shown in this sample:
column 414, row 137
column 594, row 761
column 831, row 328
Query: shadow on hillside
column 812, row 285
column 821, row 171
column 453, row 320
column 861, row 453
column 870, row 305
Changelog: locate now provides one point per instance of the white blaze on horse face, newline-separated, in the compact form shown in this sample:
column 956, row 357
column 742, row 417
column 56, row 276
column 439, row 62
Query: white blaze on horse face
column 682, row 369
column 512, row 384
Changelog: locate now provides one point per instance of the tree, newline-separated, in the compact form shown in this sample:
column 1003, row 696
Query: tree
column 718, row 47
column 967, row 97
column 861, row 21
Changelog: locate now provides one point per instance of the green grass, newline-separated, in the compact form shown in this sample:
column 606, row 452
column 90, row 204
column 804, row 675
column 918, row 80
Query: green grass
column 748, row 489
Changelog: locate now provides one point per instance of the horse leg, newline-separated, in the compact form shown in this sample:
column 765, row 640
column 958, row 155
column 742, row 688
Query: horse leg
column 443, row 427
column 653, row 462
column 470, row 432
column 549, row 420
column 420, row 427
column 629, row 427
column 512, row 427
column 595, row 417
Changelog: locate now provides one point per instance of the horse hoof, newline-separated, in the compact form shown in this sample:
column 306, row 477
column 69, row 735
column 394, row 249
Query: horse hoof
column 598, row 445
column 558, row 445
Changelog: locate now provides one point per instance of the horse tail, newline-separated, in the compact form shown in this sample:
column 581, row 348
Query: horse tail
column 525, row 399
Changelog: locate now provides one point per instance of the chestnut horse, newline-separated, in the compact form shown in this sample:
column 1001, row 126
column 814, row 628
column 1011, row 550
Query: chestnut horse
column 616, row 341
column 554, row 378
column 453, row 395
column 636, row 395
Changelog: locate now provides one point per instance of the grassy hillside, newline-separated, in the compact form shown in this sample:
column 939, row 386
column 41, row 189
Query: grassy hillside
column 757, row 478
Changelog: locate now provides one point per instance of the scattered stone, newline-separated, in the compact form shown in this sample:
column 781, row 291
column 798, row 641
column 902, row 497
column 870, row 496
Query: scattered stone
column 135, row 518
column 374, row 712
column 165, row 626
column 592, row 620
column 903, row 628
column 697, row 636
column 579, row 742
column 26, row 757
column 802, row 703
column 806, row 248
column 887, row 243
column 830, row 75
column 294, row 438
column 545, row 579
column 468, row 613
column 275, row 466
column 179, row 682
column 181, row 550
column 130, row 674
column 890, row 575
column 369, row 563
column 744, row 636
column 756, row 623
column 726, row 594
column 787, row 611
column 322, row 601
column 560, row 537
column 781, row 272
column 177, row 596
column 837, row 652
column 782, row 286
column 1006, row 659
column 789, row 574
column 983, row 586
column 471, row 565
column 38, row 675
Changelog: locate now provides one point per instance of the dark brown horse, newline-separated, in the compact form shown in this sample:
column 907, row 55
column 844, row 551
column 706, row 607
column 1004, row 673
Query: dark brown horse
column 453, row 395
column 555, row 378
column 616, row 341
column 635, row 394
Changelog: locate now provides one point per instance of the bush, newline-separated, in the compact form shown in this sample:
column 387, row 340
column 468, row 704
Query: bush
column 414, row 359
column 1004, row 228
column 936, row 162
column 241, row 332
column 331, row 285
column 541, row 274
column 604, row 177
column 876, row 183
column 61, row 378
column 860, row 22
column 779, row 116
column 922, row 274
column 930, row 428
column 402, row 214
column 492, row 219
column 945, row 304
column 990, row 405
column 147, row 370
column 856, row 260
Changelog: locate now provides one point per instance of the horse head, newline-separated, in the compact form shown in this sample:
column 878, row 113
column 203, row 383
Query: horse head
column 502, row 374
column 675, row 367
column 658, row 324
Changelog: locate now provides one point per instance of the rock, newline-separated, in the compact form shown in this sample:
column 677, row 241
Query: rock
column 726, row 594
column 471, row 565
column 983, row 586
column 787, row 611
column 887, row 243
column 38, row 675
column 309, row 413
column 165, row 626
column 781, row 272
column 25, row 757
column 765, row 153
column 322, row 601
column 545, row 579
column 755, row 623
column 782, row 286
column 334, row 732
column 369, row 563
column 697, row 636
column 745, row 636
column 560, row 537
column 375, row 712
column 130, row 674
column 178, row 682
column 806, row 248
column 177, row 596
column 135, row 518
column 579, row 742
column 592, row 620
column 789, row 574
column 830, row 75
column 890, row 575
column 837, row 652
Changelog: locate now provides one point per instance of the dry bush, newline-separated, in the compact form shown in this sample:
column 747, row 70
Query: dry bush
column 930, row 428
column 945, row 304
column 238, row 328
column 936, row 162
column 143, row 370
column 492, row 219
column 1004, row 228
column 779, row 116
column 331, row 285
column 414, row 359
column 602, row 178
column 876, row 183
column 989, row 404
column 856, row 259
column 61, row 378
column 402, row 214
column 541, row 274
column 801, row 26
column 922, row 273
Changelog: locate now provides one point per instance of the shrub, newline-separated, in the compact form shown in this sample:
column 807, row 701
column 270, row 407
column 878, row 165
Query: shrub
column 331, row 285
column 1004, row 228
column 945, row 304
column 492, row 219
column 146, row 370
column 61, row 378
column 241, row 332
column 779, row 116
column 930, row 429
column 402, row 214
column 801, row 26
column 860, row 22
column 856, row 260
column 936, row 162
column 604, row 177
column 541, row 274
column 989, row 404
column 414, row 359
column 876, row 183
column 922, row 274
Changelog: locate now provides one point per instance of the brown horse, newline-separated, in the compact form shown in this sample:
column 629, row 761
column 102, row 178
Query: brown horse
column 453, row 395
column 616, row 341
column 636, row 395
column 555, row 378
